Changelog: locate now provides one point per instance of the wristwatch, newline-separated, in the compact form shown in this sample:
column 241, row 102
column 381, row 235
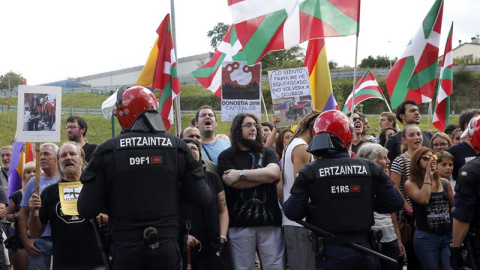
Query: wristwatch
column 224, row 238
column 242, row 175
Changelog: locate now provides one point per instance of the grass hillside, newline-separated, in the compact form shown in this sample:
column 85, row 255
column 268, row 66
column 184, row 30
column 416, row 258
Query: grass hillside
column 100, row 129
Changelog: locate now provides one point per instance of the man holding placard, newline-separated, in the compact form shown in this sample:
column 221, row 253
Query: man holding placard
column 73, row 237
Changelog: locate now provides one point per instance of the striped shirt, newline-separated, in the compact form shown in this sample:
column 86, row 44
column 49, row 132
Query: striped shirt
column 397, row 167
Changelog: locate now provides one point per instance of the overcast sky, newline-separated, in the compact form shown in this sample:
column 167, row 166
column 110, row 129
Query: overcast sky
column 53, row 40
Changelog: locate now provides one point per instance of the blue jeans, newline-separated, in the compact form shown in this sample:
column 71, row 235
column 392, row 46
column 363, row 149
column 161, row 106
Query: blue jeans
column 432, row 250
column 42, row 262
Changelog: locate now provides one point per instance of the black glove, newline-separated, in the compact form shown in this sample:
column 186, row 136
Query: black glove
column 220, row 249
column 456, row 258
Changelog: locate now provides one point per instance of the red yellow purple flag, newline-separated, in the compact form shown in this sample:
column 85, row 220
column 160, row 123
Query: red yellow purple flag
column 21, row 154
column 319, row 72
column 160, row 71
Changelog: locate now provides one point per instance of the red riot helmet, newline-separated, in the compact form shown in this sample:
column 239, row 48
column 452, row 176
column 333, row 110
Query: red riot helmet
column 133, row 102
column 332, row 130
column 473, row 133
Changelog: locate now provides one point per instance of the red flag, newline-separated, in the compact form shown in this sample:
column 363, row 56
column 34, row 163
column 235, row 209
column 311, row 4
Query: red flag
column 160, row 71
column 441, row 117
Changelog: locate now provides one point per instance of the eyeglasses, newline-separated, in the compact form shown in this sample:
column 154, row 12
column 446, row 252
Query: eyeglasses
column 250, row 125
column 71, row 127
column 427, row 157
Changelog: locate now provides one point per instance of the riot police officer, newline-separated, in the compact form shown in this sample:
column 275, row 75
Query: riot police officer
column 139, row 178
column 466, row 215
column 339, row 194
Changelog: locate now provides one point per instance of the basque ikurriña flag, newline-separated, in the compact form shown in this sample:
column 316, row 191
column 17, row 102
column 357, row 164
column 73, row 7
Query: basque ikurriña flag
column 441, row 117
column 160, row 71
column 413, row 75
column 264, row 26
column 210, row 74
column 367, row 87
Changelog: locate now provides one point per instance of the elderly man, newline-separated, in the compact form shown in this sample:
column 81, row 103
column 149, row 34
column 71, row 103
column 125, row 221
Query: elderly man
column 74, row 243
column 39, row 254
column 6, row 154
column 194, row 133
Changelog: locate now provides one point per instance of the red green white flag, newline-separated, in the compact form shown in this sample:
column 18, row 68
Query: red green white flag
column 160, row 71
column 441, row 117
column 282, row 24
column 413, row 75
column 210, row 74
column 366, row 88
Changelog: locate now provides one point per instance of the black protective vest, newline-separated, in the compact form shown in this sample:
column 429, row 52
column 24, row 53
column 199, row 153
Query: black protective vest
column 146, row 185
column 342, row 195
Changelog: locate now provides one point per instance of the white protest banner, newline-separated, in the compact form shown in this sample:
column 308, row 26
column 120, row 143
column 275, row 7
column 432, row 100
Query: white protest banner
column 291, row 95
column 39, row 113
column 240, row 89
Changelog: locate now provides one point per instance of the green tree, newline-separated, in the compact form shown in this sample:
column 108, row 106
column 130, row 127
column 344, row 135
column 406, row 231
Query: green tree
column 10, row 80
column 332, row 64
column 217, row 33
column 377, row 62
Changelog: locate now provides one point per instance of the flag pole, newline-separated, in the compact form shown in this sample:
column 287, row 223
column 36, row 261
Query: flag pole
column 264, row 106
column 177, row 108
column 429, row 113
column 354, row 83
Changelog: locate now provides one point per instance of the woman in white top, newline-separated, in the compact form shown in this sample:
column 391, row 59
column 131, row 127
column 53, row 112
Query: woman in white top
column 386, row 223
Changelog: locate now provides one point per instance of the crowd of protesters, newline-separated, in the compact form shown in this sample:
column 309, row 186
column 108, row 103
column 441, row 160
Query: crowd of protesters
column 250, row 173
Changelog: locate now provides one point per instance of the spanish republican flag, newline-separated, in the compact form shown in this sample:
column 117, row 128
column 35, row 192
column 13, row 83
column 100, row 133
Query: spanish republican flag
column 319, row 72
column 21, row 153
column 160, row 71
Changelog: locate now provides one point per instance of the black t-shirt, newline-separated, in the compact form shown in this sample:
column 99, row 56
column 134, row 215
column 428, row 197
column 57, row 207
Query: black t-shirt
column 16, row 197
column 256, row 206
column 462, row 153
column 89, row 149
column 3, row 195
column 360, row 144
column 74, row 242
column 204, row 220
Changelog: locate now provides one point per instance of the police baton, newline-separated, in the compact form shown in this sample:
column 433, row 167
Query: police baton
column 100, row 243
column 352, row 245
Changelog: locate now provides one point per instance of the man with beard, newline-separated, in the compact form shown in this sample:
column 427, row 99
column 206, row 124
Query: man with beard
column 73, row 238
column 407, row 113
column 6, row 153
column 250, row 172
column 39, row 250
column 77, row 132
column 206, row 122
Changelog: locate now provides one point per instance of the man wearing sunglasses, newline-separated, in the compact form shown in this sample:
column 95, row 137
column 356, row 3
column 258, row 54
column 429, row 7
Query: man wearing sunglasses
column 76, row 128
column 407, row 113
